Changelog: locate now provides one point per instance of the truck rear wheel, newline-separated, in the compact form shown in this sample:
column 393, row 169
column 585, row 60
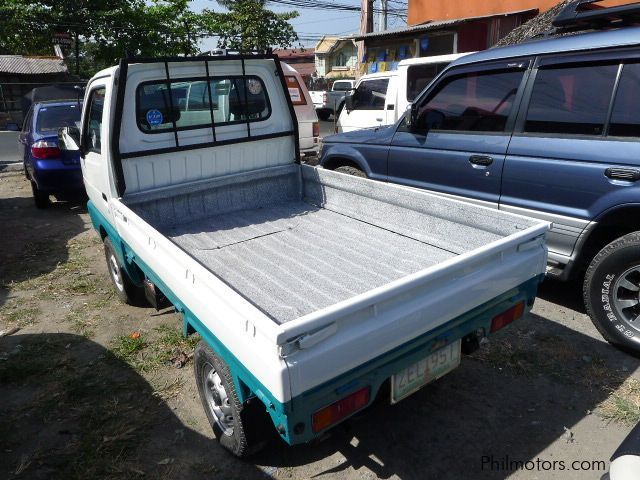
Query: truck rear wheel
column 238, row 427
column 127, row 291
column 612, row 292
column 323, row 114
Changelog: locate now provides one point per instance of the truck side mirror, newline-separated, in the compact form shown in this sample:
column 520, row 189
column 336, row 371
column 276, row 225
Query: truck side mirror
column 69, row 139
column 348, row 100
column 412, row 117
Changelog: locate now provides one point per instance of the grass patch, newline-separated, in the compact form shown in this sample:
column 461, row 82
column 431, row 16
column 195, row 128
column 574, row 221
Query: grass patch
column 83, row 285
column 19, row 312
column 148, row 352
column 623, row 405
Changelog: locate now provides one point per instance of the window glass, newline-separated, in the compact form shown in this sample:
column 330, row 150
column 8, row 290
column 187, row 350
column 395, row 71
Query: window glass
column 340, row 60
column 419, row 76
column 51, row 118
column 370, row 94
column 233, row 100
column 625, row 121
column 26, row 126
column 93, row 138
column 479, row 101
column 341, row 86
column 571, row 100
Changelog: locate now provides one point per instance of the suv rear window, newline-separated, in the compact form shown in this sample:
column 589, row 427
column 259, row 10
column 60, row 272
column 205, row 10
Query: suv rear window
column 572, row 100
column 625, row 121
column 51, row 118
column 233, row 100
column 371, row 94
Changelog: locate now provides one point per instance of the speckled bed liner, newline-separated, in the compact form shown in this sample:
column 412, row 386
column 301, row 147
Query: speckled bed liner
column 295, row 239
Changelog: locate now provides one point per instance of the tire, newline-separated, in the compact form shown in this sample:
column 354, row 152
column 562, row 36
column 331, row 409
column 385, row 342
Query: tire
column 40, row 198
column 239, row 428
column 323, row 114
column 612, row 292
column 349, row 170
column 126, row 290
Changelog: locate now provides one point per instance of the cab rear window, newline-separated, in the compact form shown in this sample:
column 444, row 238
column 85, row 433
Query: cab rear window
column 189, row 104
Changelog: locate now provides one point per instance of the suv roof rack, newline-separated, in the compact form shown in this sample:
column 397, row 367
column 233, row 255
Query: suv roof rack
column 581, row 15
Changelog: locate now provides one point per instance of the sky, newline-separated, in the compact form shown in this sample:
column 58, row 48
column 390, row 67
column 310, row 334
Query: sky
column 310, row 22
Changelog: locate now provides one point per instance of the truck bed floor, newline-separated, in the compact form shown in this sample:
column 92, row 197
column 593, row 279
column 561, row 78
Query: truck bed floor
column 294, row 258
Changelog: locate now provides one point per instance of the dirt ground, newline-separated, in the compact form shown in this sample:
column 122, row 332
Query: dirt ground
column 92, row 388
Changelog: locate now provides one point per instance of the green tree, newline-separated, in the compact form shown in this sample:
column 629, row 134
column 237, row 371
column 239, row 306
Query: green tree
column 250, row 26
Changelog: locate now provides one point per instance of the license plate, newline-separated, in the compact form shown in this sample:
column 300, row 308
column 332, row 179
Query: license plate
column 416, row 376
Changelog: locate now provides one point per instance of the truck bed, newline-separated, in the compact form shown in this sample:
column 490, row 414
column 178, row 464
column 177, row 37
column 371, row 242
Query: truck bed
column 293, row 240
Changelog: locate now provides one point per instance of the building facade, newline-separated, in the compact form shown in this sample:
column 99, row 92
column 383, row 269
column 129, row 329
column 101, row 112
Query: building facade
column 336, row 57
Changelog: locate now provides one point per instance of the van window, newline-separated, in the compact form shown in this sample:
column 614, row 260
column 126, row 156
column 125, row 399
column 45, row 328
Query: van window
column 233, row 100
column 572, row 100
column 371, row 94
column 419, row 76
column 625, row 121
column 478, row 102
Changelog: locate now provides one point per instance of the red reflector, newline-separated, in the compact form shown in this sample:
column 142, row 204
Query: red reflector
column 506, row 317
column 316, row 129
column 44, row 149
column 342, row 408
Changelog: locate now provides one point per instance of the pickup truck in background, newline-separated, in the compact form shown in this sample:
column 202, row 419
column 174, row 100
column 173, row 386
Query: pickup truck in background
column 313, row 291
column 331, row 102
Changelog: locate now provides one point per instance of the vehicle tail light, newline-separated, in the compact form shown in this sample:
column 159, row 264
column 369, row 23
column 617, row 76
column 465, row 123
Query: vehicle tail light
column 44, row 149
column 342, row 408
column 324, row 97
column 506, row 317
column 316, row 129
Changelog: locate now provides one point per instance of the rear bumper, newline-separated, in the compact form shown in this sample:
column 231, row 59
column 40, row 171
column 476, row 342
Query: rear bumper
column 300, row 410
column 55, row 176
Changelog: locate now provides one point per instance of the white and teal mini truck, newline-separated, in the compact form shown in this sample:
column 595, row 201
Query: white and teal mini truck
column 314, row 292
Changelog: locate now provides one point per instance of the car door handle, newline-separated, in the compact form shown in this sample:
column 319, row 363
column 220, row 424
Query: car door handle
column 482, row 160
column 626, row 174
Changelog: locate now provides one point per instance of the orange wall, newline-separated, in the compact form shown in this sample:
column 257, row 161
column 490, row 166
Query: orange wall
column 422, row 10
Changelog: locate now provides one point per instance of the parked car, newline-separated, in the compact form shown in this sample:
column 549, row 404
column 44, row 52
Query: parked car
column 308, row 125
column 311, row 290
column 382, row 98
column 50, row 170
column 331, row 102
column 548, row 129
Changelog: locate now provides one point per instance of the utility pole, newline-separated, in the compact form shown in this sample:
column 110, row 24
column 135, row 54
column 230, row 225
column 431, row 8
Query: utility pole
column 366, row 26
column 77, row 47
column 383, row 15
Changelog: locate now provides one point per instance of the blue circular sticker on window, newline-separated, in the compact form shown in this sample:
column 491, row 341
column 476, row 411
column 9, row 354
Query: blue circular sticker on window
column 154, row 117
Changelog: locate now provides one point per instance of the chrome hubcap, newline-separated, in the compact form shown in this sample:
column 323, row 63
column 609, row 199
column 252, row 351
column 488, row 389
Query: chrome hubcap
column 626, row 297
column 217, row 399
column 115, row 272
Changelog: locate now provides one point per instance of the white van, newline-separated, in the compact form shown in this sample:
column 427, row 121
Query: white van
column 382, row 98
column 308, row 125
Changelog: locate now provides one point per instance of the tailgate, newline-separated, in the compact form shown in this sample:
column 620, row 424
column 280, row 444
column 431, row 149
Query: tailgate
column 335, row 340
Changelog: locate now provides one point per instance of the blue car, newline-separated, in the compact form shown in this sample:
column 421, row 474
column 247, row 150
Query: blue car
column 50, row 170
column 549, row 129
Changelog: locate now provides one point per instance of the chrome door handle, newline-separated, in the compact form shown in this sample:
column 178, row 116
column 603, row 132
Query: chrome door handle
column 625, row 174
column 482, row 160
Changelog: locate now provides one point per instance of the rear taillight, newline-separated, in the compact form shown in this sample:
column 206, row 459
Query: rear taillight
column 341, row 409
column 316, row 129
column 506, row 317
column 44, row 149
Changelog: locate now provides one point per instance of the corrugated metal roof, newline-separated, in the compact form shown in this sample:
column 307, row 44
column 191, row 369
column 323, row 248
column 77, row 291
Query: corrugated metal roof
column 438, row 25
column 31, row 65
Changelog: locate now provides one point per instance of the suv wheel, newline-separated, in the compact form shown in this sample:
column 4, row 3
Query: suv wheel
column 612, row 292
